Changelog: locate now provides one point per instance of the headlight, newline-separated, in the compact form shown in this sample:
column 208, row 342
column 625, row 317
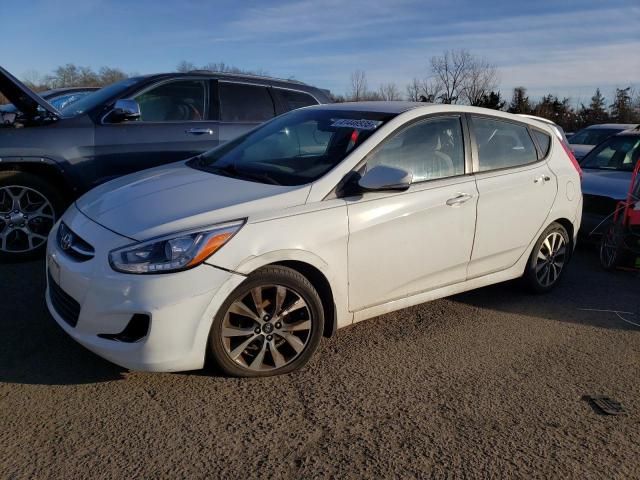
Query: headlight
column 175, row 252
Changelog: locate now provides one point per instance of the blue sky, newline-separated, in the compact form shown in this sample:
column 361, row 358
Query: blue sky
column 567, row 48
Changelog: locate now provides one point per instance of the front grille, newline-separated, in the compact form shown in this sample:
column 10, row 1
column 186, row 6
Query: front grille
column 63, row 303
column 72, row 245
column 599, row 205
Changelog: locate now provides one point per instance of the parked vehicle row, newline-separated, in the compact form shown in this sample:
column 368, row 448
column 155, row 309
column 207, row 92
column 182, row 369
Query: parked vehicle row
column 49, row 156
column 325, row 216
column 584, row 140
column 608, row 170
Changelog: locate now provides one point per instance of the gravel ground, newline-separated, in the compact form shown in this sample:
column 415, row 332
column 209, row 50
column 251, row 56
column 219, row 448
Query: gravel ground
column 484, row 384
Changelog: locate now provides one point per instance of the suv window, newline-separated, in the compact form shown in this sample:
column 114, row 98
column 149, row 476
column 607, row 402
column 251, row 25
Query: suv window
column 591, row 136
column 502, row 144
column 617, row 153
column 430, row 149
column 244, row 103
column 179, row 101
column 294, row 100
column 544, row 142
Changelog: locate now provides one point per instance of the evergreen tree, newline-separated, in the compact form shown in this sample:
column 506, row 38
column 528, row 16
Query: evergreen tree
column 492, row 100
column 621, row 108
column 520, row 101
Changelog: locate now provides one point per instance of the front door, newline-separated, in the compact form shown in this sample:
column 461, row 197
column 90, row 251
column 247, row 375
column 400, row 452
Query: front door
column 174, row 125
column 403, row 243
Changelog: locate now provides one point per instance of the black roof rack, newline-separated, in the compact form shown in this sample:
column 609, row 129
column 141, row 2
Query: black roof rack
column 248, row 75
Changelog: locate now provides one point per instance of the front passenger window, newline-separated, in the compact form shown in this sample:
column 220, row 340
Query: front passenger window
column 502, row 144
column 429, row 149
column 180, row 101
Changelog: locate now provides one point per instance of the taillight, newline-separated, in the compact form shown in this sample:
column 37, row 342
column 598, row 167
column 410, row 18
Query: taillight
column 575, row 163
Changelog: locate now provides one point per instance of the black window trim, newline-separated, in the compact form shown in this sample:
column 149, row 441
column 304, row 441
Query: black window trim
column 474, row 144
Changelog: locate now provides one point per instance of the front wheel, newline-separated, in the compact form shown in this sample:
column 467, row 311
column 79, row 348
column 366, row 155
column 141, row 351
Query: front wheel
column 548, row 259
column 29, row 207
column 271, row 324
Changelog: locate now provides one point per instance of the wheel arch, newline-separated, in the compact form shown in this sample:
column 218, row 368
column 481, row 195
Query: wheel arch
column 568, row 225
column 322, row 286
column 44, row 168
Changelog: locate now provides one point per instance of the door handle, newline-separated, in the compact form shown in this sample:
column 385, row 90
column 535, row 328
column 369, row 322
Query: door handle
column 542, row 178
column 199, row 131
column 459, row 199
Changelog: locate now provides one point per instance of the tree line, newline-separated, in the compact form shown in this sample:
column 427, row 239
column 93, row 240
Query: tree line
column 455, row 77
column 459, row 77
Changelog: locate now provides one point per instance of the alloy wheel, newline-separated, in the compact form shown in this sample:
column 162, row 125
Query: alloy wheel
column 551, row 259
column 26, row 217
column 267, row 328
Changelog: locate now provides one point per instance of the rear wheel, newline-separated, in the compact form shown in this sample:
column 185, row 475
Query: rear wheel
column 271, row 324
column 29, row 207
column 548, row 259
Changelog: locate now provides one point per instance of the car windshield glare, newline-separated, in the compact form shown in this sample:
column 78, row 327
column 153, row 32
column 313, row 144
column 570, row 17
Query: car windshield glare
column 294, row 149
column 617, row 153
column 92, row 100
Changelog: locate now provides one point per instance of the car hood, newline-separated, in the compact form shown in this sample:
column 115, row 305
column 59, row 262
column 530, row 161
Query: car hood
column 176, row 197
column 580, row 151
column 25, row 99
column 606, row 183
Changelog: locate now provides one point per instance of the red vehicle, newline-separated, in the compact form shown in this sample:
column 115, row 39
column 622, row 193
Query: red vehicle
column 620, row 246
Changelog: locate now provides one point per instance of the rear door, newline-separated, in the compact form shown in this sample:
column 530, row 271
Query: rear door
column 516, row 193
column 287, row 100
column 242, row 107
column 176, row 122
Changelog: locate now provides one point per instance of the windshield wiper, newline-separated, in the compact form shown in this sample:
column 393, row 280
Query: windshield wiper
column 231, row 170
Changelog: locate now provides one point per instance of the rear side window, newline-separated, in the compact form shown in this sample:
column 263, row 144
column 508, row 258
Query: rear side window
column 245, row 103
column 293, row 100
column 502, row 144
column 544, row 142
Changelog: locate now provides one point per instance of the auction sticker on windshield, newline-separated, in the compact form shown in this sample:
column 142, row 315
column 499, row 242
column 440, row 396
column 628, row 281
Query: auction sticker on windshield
column 357, row 124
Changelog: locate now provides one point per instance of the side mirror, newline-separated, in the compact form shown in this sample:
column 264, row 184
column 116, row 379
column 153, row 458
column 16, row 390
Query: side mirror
column 124, row 110
column 383, row 178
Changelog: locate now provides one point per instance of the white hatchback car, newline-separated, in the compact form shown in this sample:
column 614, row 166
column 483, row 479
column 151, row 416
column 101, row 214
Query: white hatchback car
column 320, row 218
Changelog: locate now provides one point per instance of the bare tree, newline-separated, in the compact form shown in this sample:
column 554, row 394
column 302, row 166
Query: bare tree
column 389, row 91
column 426, row 90
column 450, row 72
column 108, row 75
column 480, row 79
column 185, row 66
column 414, row 90
column 358, row 89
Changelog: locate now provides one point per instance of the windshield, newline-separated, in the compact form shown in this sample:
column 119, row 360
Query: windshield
column 89, row 102
column 617, row 153
column 293, row 149
column 592, row 136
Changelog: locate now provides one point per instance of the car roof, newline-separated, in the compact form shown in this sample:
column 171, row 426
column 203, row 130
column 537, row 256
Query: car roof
column 374, row 106
column 230, row 76
column 610, row 126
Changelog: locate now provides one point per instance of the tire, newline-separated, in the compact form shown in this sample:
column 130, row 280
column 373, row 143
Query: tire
column 282, row 338
column 548, row 260
column 29, row 207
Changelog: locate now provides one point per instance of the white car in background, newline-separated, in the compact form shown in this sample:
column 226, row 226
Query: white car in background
column 320, row 218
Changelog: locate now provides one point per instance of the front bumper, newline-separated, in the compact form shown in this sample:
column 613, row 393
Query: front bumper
column 181, row 305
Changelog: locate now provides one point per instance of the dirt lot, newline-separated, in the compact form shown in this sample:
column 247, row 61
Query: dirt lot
column 485, row 384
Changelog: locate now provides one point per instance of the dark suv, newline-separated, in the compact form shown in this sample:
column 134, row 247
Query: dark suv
column 49, row 157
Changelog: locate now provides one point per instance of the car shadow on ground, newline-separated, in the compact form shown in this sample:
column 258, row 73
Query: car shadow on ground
column 588, row 295
column 33, row 348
